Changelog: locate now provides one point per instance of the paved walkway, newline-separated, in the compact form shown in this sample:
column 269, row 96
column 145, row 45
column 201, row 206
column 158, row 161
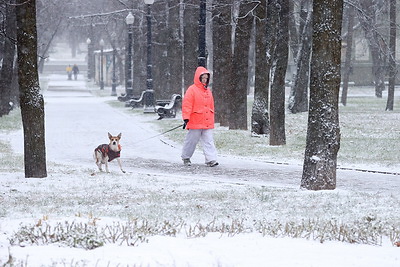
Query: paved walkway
column 77, row 121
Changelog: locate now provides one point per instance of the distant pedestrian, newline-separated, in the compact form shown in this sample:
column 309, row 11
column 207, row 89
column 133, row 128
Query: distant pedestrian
column 198, row 117
column 75, row 70
column 69, row 72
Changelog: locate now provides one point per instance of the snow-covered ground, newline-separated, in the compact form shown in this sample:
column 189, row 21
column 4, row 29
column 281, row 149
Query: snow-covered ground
column 158, row 187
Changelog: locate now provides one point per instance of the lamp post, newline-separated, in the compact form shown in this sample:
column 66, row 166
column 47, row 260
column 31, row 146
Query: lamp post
column 201, row 60
column 114, row 77
column 149, row 95
column 129, row 74
column 101, row 65
column 89, row 61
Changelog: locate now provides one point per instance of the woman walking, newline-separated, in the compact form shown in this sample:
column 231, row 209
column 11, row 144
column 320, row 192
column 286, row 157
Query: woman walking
column 198, row 117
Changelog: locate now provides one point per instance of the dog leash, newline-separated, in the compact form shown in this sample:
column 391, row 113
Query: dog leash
column 154, row 136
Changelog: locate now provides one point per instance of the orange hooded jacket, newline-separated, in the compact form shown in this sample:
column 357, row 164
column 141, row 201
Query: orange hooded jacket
column 198, row 104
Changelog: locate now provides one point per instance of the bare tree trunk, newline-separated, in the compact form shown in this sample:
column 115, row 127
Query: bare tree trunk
column 298, row 100
column 277, row 135
column 190, row 40
column 14, row 84
column 222, row 59
column 260, row 115
column 252, row 59
column 202, row 58
column 294, row 35
column 378, row 70
column 7, row 69
column 349, row 50
column 367, row 17
column 160, row 39
column 267, row 48
column 392, row 56
column 238, row 107
column 46, row 48
column 209, row 36
column 174, row 48
column 32, row 103
column 323, row 133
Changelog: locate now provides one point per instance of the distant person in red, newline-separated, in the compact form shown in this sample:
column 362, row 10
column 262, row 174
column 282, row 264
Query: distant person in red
column 198, row 117
column 75, row 70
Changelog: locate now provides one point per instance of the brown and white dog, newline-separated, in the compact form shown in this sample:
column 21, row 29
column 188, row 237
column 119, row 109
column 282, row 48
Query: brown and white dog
column 107, row 152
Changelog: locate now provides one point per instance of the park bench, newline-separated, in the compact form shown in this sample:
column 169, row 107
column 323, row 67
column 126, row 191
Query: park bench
column 136, row 102
column 167, row 108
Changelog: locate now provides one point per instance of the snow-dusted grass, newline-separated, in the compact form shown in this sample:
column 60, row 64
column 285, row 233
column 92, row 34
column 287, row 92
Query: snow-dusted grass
column 11, row 122
column 9, row 160
column 191, row 209
column 370, row 135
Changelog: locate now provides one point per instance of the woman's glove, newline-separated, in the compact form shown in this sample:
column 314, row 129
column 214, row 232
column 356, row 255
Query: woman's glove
column 185, row 122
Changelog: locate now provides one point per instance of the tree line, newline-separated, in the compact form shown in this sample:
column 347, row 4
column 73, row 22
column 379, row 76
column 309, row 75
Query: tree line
column 248, row 45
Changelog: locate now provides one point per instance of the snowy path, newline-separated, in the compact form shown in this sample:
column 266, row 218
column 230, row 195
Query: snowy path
column 77, row 121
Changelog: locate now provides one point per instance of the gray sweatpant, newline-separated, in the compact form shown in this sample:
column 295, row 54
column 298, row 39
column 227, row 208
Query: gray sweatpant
column 207, row 142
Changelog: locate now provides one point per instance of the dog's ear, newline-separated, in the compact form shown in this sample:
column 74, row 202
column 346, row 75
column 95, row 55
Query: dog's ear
column 109, row 136
column 119, row 136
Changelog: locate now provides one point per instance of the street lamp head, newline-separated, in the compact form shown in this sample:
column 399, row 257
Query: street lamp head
column 101, row 42
column 149, row 2
column 88, row 41
column 129, row 19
